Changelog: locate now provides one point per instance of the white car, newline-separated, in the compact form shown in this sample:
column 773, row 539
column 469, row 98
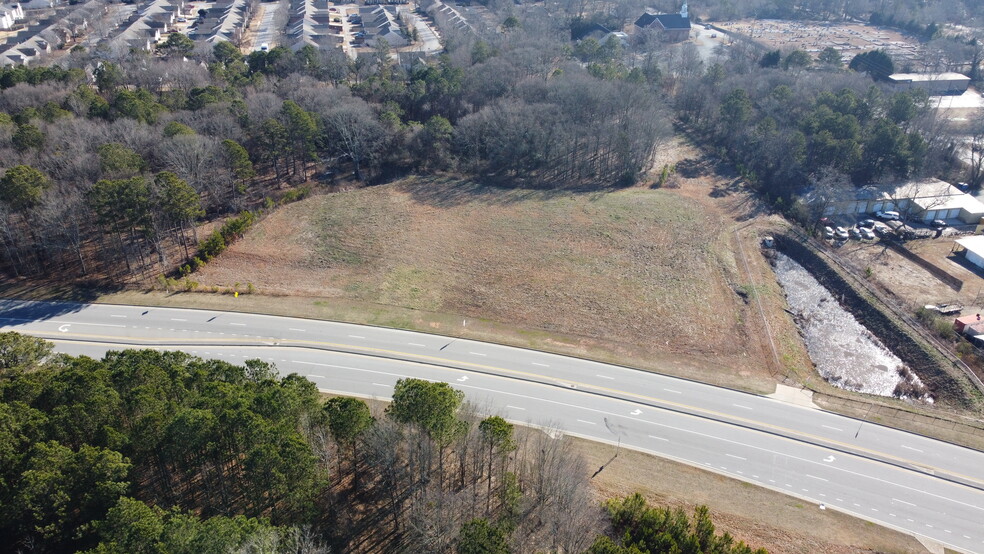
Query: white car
column 841, row 233
column 264, row 47
column 867, row 234
column 888, row 216
column 828, row 233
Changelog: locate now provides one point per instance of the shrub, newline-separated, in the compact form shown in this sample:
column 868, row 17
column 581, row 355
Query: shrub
column 212, row 246
column 295, row 195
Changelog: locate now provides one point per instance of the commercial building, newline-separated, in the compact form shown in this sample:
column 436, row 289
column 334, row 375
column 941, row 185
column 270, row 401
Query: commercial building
column 923, row 200
column 973, row 250
column 936, row 84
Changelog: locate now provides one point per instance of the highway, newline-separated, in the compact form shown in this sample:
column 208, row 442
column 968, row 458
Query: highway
column 925, row 487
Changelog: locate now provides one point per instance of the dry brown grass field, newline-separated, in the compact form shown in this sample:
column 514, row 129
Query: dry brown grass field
column 648, row 277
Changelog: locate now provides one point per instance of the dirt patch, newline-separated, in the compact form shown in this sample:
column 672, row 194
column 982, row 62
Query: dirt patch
column 647, row 277
column 758, row 516
column 912, row 285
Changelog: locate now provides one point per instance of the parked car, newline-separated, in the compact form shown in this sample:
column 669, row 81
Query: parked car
column 841, row 233
column 264, row 47
column 867, row 224
column 854, row 232
column 828, row 233
column 867, row 234
column 888, row 216
column 938, row 224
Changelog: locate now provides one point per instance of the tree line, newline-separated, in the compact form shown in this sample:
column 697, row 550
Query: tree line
column 149, row 451
column 119, row 161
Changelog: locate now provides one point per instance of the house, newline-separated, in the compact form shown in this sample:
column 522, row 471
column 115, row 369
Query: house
column 973, row 250
column 922, row 200
column 936, row 84
column 671, row 27
column 10, row 15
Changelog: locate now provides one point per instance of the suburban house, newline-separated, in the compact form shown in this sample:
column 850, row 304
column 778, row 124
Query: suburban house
column 923, row 200
column 9, row 15
column 673, row 27
column 936, row 84
column 973, row 250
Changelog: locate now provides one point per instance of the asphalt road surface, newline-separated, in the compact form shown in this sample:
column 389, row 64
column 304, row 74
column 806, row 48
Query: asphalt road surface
column 929, row 488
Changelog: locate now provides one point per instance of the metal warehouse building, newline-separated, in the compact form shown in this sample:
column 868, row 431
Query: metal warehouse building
column 936, row 84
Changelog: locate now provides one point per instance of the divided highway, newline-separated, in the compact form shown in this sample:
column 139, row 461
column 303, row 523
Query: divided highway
column 926, row 487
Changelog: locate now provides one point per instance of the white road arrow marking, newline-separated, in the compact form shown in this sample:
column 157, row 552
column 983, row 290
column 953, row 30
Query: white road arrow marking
column 636, row 411
column 463, row 378
column 64, row 328
column 829, row 459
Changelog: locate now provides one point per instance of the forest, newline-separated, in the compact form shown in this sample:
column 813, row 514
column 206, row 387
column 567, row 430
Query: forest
column 111, row 166
column 146, row 451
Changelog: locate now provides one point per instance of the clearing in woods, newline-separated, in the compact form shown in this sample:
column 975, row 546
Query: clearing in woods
column 645, row 277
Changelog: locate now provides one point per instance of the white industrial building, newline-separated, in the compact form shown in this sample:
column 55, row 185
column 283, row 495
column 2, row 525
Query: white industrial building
column 936, row 84
column 973, row 249
column 923, row 200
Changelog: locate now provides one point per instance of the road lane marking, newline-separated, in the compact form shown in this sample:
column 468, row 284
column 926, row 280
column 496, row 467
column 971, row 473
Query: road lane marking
column 238, row 324
column 539, row 364
column 178, row 319
column 588, row 422
column 829, row 427
column 742, row 407
column 476, row 354
column 114, row 315
column 815, row 477
column 356, row 337
column 673, row 391
column 298, row 330
column 515, row 407
column 903, row 502
column 736, row 457
column 659, row 438
column 416, row 344
column 316, row 376
column 381, row 385
column 911, row 448
column 630, row 397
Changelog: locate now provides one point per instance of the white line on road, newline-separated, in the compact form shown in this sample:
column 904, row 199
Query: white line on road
column 416, row 344
column 476, row 354
column 829, row 427
column 515, row 407
column 673, row 391
column 659, row 438
column 911, row 448
column 356, row 337
column 114, row 315
column 903, row 502
column 539, row 364
column 735, row 457
column 380, row 385
column 588, row 422
column 294, row 329
column 815, row 477
column 605, row 377
column 742, row 407
column 318, row 376
column 178, row 319
column 238, row 324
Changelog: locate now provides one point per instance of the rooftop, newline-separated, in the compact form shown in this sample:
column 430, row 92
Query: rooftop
column 928, row 77
column 974, row 244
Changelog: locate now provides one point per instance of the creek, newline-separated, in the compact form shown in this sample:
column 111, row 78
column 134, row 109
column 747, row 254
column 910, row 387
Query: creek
column 844, row 352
